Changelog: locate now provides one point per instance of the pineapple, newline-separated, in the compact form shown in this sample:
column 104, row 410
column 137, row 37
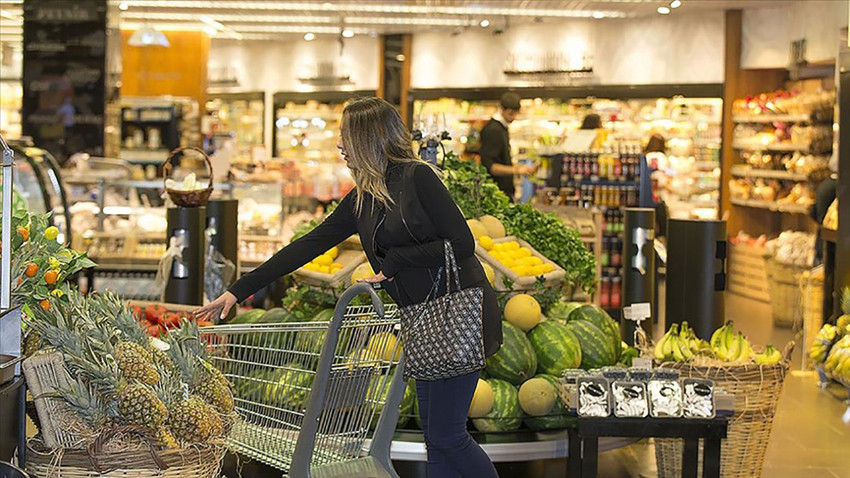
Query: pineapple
column 135, row 363
column 166, row 438
column 84, row 399
column 192, row 420
column 139, row 405
column 188, row 353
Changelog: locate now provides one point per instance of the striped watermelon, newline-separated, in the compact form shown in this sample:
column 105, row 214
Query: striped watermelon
column 515, row 361
column 557, row 349
column 506, row 415
column 598, row 317
column 405, row 408
column 557, row 419
column 597, row 350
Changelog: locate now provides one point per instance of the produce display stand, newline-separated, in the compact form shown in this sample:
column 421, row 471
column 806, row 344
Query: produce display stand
column 13, row 395
column 584, row 441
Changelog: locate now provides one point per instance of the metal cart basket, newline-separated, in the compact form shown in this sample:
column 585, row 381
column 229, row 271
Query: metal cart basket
column 308, row 392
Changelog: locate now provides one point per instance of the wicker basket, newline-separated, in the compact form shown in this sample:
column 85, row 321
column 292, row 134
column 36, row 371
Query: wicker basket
column 58, row 424
column 785, row 296
column 128, row 459
column 195, row 198
column 756, row 389
column 811, row 290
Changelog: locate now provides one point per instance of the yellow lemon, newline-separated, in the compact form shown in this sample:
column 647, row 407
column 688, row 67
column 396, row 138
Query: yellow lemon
column 333, row 252
column 520, row 270
column 507, row 261
column 498, row 246
column 512, row 245
column 547, row 268
column 323, row 260
column 533, row 261
column 335, row 267
column 523, row 252
column 486, row 242
column 539, row 270
column 323, row 269
column 310, row 266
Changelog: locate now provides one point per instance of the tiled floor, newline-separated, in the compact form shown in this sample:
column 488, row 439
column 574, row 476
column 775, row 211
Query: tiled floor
column 811, row 431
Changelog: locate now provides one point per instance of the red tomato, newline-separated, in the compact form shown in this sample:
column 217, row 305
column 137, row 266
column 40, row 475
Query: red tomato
column 154, row 330
column 155, row 312
column 205, row 323
column 137, row 312
column 170, row 319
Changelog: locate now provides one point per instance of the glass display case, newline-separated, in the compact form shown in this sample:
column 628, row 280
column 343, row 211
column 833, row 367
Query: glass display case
column 237, row 116
column 39, row 181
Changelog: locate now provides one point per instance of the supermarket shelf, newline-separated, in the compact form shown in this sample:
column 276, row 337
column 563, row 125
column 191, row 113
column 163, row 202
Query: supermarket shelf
column 742, row 171
column 772, row 206
column 144, row 157
column 779, row 147
column 795, row 118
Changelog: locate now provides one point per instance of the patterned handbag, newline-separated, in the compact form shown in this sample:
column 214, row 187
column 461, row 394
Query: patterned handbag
column 443, row 337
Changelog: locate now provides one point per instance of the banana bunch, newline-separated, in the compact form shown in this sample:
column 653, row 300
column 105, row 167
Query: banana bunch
column 820, row 347
column 770, row 356
column 680, row 344
column 837, row 363
column 729, row 346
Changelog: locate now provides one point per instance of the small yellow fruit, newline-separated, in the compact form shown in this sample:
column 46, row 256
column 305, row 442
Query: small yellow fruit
column 336, row 267
column 512, row 245
column 490, row 273
column 482, row 400
column 310, row 266
column 523, row 252
column 547, row 268
column 384, row 346
column 323, row 260
column 539, row 270
column 498, row 246
column 486, row 242
column 534, row 261
column 323, row 269
column 523, row 311
column 363, row 271
column 507, row 261
column 333, row 252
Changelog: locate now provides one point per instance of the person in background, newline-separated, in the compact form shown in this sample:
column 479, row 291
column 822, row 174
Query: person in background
column 495, row 148
column 656, row 158
column 824, row 195
column 591, row 121
column 403, row 213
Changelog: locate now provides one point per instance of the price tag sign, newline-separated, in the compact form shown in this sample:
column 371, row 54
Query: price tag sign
column 638, row 312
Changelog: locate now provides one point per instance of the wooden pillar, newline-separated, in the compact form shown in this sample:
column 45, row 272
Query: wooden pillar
column 842, row 190
column 739, row 83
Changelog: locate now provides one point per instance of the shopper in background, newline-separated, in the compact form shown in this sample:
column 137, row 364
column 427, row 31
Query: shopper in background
column 403, row 214
column 656, row 158
column 495, row 148
column 824, row 195
column 591, row 121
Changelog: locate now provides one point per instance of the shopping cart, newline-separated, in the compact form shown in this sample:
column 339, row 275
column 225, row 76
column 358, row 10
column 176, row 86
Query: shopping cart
column 307, row 393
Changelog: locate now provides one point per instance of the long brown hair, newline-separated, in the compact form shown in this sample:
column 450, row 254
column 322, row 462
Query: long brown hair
column 374, row 136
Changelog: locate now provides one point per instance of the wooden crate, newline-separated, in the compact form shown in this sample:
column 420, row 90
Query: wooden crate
column 552, row 279
column 746, row 272
column 350, row 256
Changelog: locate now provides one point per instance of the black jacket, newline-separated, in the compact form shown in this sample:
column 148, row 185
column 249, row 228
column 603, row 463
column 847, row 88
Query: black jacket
column 422, row 216
column 496, row 149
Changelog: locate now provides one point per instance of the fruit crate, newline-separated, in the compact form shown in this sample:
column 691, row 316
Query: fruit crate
column 350, row 256
column 786, row 297
column 555, row 278
column 747, row 273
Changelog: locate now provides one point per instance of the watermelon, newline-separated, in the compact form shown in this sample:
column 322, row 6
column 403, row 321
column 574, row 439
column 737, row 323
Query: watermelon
column 506, row 415
column 598, row 317
column 516, row 360
column 561, row 310
column 248, row 317
column 559, row 418
column 405, row 408
column 557, row 349
column 290, row 387
column 597, row 350
column 276, row 315
column 313, row 340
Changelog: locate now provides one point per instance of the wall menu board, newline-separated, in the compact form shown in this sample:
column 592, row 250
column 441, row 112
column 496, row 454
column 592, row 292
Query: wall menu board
column 64, row 75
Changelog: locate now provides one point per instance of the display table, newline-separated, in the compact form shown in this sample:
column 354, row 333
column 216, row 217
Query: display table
column 584, row 441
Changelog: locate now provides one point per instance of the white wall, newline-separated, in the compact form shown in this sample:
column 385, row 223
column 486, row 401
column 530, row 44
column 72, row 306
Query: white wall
column 277, row 65
column 768, row 32
column 674, row 49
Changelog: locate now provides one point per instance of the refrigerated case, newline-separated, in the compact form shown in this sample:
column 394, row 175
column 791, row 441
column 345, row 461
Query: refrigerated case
column 239, row 116
column 38, row 180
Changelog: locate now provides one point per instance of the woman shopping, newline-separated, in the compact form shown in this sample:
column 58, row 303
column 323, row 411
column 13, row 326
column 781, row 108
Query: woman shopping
column 409, row 227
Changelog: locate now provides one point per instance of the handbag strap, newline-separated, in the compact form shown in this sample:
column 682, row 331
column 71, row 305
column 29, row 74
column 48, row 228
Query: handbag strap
column 451, row 268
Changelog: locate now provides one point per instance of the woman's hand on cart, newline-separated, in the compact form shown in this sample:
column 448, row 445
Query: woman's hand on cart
column 375, row 279
column 217, row 309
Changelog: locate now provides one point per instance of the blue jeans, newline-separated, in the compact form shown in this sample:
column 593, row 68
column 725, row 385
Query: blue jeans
column 443, row 406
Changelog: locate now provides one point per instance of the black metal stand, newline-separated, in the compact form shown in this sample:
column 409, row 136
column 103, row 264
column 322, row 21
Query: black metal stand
column 830, row 301
column 186, row 283
column 584, row 441
column 639, row 270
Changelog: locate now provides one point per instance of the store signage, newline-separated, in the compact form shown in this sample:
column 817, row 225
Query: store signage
column 64, row 75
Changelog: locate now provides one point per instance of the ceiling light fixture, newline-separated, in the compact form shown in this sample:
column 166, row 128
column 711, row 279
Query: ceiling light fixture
column 211, row 23
column 664, row 10
column 148, row 36
column 309, row 36
column 400, row 57
column 676, row 4
column 231, row 18
column 347, row 33
column 123, row 6
column 209, row 30
column 485, row 23
column 598, row 15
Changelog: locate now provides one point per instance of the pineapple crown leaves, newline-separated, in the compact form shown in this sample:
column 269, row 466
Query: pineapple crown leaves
column 85, row 400
column 170, row 389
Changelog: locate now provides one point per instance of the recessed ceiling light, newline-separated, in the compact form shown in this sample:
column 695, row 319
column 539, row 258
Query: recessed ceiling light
column 347, row 33
column 598, row 15
column 123, row 6
column 664, row 10
column 676, row 4
column 209, row 30
column 485, row 23
column 400, row 57
column 309, row 36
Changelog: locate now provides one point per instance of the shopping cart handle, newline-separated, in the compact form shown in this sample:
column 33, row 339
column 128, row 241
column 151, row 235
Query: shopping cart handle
column 361, row 288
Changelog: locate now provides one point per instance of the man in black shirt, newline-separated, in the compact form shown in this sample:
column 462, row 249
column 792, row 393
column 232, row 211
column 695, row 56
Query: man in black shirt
column 496, row 147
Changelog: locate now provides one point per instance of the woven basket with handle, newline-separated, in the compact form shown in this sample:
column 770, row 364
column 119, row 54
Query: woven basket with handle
column 195, row 198
column 756, row 389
